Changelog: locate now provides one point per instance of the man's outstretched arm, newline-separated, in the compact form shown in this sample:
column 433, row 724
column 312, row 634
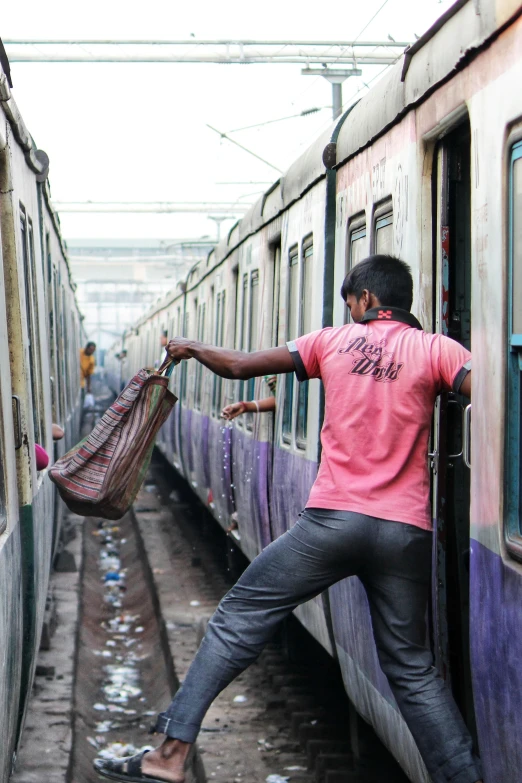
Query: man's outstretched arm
column 233, row 364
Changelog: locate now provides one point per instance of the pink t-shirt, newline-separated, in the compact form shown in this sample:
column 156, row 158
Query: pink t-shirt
column 380, row 381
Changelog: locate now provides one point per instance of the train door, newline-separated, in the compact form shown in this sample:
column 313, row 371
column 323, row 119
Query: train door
column 449, row 463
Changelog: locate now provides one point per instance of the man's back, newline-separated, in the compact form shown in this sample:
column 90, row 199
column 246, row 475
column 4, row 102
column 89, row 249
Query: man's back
column 381, row 379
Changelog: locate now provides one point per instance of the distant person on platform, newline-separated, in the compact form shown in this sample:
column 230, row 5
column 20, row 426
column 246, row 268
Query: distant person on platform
column 87, row 366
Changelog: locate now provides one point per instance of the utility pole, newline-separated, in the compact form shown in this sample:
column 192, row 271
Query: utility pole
column 336, row 77
column 218, row 219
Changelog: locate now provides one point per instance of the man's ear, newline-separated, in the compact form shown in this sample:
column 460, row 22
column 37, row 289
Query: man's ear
column 372, row 301
column 365, row 299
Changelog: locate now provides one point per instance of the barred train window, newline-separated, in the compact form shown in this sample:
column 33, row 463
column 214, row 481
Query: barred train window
column 184, row 365
column 220, row 338
column 27, row 237
column 253, row 339
column 384, row 232
column 357, row 248
column 291, row 334
column 513, row 473
column 244, row 337
column 305, row 328
column 3, row 510
column 199, row 366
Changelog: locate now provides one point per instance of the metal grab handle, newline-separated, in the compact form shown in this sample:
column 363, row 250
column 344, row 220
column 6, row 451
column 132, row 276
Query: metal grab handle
column 466, row 436
column 455, row 456
column 17, row 414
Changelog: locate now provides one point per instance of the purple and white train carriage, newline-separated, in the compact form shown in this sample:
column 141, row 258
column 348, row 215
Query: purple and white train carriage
column 427, row 166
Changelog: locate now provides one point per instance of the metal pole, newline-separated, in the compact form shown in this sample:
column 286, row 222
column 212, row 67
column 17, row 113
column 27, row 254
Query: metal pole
column 337, row 99
column 336, row 76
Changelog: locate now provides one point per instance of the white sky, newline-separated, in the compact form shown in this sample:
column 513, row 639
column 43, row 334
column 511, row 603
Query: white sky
column 137, row 132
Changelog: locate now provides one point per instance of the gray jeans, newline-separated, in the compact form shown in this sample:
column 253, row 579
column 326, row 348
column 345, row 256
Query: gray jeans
column 393, row 561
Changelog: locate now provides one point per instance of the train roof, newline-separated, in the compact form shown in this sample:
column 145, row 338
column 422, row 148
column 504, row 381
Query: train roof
column 461, row 33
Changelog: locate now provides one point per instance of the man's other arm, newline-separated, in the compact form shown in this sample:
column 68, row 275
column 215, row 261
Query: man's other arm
column 465, row 386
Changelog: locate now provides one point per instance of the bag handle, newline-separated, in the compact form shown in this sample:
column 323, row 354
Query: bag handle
column 167, row 367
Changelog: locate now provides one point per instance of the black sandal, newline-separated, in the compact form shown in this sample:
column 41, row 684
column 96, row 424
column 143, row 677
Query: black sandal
column 126, row 769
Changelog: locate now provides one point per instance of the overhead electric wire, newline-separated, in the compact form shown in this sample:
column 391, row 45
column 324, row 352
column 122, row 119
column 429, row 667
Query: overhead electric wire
column 304, row 113
column 233, row 141
column 376, row 14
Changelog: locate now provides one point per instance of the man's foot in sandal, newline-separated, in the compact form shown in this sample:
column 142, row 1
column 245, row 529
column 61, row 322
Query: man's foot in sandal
column 164, row 765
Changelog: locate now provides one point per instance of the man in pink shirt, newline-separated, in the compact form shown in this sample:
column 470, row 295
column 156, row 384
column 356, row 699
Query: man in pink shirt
column 367, row 515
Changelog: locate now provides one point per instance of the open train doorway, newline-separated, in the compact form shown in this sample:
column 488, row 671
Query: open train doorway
column 449, row 458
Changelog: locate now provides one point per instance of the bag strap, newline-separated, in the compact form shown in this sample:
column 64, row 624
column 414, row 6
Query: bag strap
column 167, row 367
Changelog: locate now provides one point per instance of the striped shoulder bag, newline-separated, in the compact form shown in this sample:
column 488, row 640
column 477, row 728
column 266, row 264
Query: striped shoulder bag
column 102, row 474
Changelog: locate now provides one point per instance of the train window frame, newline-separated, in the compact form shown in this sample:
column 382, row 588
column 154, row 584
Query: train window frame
column 287, row 418
column 513, row 418
column 32, row 320
column 220, row 313
column 381, row 218
column 243, row 336
column 301, row 395
column 3, row 483
column 276, row 256
column 253, row 336
column 356, row 229
column 184, row 365
column 199, row 367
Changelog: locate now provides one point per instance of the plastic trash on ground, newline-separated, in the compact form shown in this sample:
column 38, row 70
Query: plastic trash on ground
column 89, row 401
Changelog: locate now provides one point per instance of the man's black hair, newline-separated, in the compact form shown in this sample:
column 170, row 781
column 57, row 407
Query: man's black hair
column 89, row 344
column 386, row 277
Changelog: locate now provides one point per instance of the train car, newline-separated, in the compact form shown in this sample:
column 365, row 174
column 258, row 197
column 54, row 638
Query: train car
column 40, row 332
column 426, row 166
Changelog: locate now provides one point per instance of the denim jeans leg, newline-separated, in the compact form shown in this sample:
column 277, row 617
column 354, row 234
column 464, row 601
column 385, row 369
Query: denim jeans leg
column 288, row 572
column 398, row 591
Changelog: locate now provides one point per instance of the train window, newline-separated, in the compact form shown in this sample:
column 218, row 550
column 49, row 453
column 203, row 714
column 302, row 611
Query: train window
column 305, row 328
column 244, row 324
column 276, row 251
column 27, row 238
column 356, row 249
column 384, row 234
column 253, row 339
column 383, row 228
column 305, row 319
column 65, row 344
column 199, row 366
column 3, row 510
column 220, row 339
column 356, row 242
column 513, row 461
column 244, row 337
column 58, row 320
column 184, row 365
column 291, row 333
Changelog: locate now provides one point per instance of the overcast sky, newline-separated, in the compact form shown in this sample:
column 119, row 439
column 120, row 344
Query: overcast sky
column 137, row 132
